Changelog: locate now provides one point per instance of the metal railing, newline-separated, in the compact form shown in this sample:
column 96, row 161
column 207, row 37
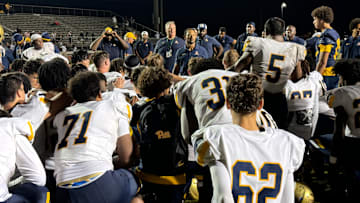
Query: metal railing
column 22, row 8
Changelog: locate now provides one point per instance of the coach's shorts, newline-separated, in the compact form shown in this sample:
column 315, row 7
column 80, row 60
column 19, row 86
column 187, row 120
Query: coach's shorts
column 29, row 192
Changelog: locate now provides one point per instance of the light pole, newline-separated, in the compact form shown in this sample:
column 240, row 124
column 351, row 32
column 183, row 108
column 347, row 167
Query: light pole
column 283, row 6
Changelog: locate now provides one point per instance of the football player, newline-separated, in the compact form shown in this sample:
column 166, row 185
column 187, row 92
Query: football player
column 302, row 95
column 328, row 46
column 17, row 152
column 201, row 99
column 274, row 60
column 346, row 103
column 89, row 132
column 246, row 159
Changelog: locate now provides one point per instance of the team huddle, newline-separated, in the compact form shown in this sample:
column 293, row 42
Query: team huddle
column 184, row 127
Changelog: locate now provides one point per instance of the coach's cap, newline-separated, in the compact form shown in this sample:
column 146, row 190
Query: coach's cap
column 45, row 36
column 202, row 26
column 108, row 29
column 130, row 35
column 35, row 37
column 251, row 23
column 18, row 38
column 131, row 62
column 144, row 33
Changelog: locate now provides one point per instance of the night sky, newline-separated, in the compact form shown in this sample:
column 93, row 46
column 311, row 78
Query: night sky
column 233, row 14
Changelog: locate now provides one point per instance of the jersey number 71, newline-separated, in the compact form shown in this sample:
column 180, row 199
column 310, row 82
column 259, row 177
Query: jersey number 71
column 81, row 138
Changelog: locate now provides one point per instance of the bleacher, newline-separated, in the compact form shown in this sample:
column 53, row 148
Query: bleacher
column 61, row 25
column 60, row 20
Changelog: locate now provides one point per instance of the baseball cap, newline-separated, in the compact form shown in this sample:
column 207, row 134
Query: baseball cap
column 108, row 29
column 202, row 26
column 18, row 38
column 144, row 33
column 45, row 36
column 35, row 37
column 251, row 23
column 130, row 35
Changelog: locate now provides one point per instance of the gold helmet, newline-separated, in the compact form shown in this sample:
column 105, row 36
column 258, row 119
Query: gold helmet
column 303, row 193
column 1, row 33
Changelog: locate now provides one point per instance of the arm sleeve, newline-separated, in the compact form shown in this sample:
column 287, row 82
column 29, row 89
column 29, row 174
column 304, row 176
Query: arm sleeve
column 28, row 162
column 326, row 43
column 181, row 91
column 301, row 52
column 251, row 46
column 215, row 42
column 151, row 47
column 206, row 145
column 221, row 181
column 157, row 46
column 124, row 126
column 297, row 151
column 35, row 111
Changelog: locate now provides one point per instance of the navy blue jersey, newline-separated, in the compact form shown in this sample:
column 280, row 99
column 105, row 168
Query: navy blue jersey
column 209, row 43
column 167, row 49
column 351, row 48
column 329, row 42
column 183, row 56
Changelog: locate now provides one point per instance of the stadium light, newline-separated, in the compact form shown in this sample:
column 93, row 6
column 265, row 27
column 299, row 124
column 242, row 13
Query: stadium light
column 283, row 6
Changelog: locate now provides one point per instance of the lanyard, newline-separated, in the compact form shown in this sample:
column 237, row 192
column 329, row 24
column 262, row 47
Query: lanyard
column 169, row 45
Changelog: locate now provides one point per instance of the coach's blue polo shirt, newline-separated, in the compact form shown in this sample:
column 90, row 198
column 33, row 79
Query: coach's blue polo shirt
column 165, row 45
column 114, row 48
column 144, row 48
column 209, row 43
column 351, row 48
column 183, row 56
column 225, row 42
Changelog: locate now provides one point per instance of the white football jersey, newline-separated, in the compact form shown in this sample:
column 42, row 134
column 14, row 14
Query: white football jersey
column 206, row 92
column 303, row 105
column 87, row 138
column 274, row 61
column 118, row 96
column 15, row 149
column 258, row 168
column 34, row 110
column 349, row 98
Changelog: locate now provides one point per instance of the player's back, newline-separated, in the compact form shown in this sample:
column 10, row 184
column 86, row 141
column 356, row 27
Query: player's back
column 254, row 160
column 274, row 61
column 87, row 138
column 349, row 98
column 303, row 103
column 206, row 92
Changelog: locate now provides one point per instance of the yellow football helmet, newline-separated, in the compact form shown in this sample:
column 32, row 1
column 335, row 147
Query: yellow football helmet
column 1, row 33
column 303, row 193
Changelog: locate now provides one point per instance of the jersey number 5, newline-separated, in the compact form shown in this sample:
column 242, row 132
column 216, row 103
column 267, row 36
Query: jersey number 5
column 81, row 138
column 276, row 71
column 216, row 90
column 246, row 191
